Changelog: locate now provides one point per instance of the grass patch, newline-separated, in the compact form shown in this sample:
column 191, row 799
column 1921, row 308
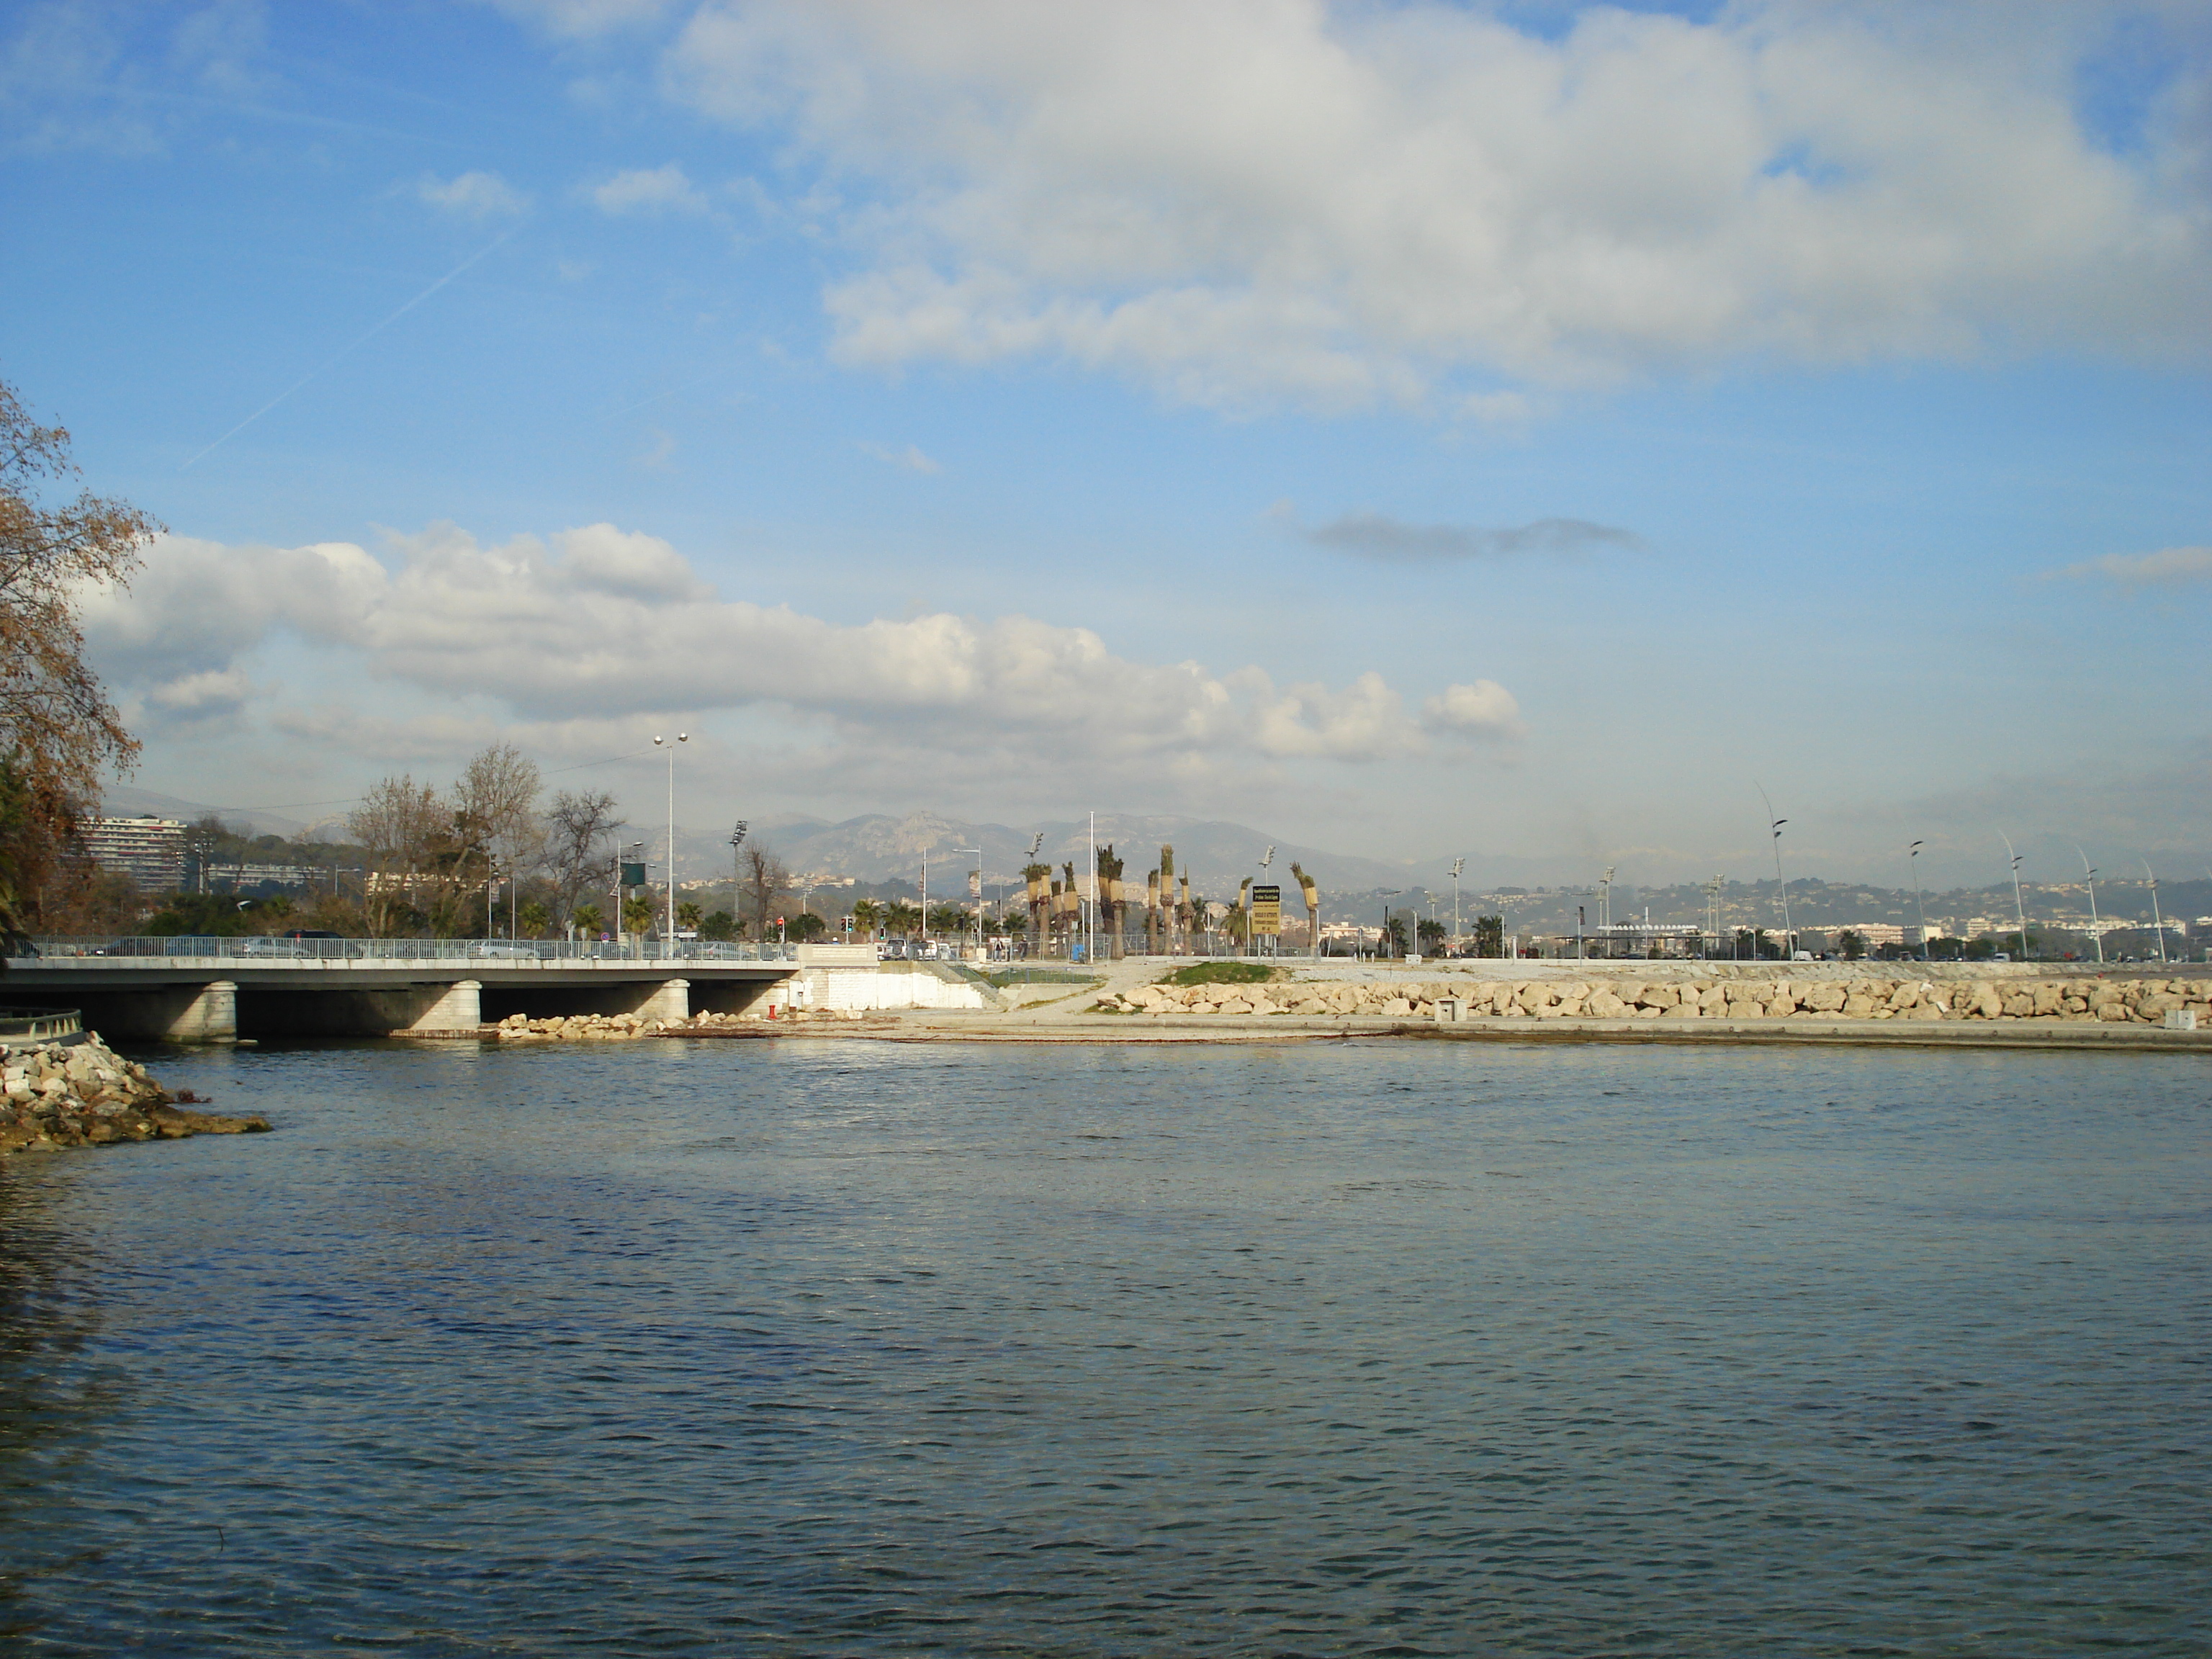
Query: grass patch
column 1006, row 977
column 1223, row 973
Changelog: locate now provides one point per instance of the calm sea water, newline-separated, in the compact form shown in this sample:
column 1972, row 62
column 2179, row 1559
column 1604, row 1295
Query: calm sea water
column 840, row 1348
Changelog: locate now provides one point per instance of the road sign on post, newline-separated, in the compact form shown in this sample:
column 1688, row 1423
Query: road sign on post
column 633, row 875
column 1266, row 910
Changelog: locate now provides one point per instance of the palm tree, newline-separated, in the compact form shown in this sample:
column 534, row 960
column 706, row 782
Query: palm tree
column 586, row 918
column 867, row 917
column 902, row 918
column 687, row 916
column 1310, row 890
column 534, row 918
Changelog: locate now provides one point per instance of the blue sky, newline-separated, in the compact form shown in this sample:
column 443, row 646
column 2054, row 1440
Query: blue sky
column 1417, row 430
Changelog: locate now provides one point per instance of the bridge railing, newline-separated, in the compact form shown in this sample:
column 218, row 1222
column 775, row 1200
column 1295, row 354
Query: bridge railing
column 29, row 1025
column 252, row 950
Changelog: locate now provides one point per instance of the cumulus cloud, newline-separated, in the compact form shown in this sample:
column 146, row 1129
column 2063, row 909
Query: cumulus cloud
column 473, row 196
column 202, row 695
column 2166, row 567
column 1482, row 710
column 647, row 191
column 1246, row 201
column 599, row 622
column 1379, row 537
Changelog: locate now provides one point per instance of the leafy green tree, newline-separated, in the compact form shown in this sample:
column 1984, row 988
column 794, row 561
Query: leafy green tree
column 719, row 925
column 805, row 926
column 1851, row 944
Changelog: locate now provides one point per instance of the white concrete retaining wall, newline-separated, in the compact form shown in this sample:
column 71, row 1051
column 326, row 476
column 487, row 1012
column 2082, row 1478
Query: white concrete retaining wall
column 891, row 984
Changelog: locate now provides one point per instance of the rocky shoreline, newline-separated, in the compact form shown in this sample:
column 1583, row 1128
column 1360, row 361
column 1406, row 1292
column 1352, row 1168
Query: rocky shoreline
column 2103, row 1002
column 80, row 1092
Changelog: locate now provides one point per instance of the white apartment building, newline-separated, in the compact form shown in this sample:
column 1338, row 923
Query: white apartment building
column 150, row 850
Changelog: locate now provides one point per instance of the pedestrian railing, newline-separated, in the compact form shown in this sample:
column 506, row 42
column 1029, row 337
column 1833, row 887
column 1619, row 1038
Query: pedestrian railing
column 249, row 949
column 38, row 1024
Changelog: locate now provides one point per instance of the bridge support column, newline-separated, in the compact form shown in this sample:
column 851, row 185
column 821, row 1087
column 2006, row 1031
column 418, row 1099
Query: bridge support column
column 459, row 1007
column 211, row 1016
column 672, row 1001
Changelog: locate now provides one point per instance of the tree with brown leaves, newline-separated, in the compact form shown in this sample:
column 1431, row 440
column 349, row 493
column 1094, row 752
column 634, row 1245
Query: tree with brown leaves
column 59, row 734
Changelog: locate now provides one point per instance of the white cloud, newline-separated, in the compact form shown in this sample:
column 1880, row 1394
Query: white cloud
column 910, row 458
column 648, row 190
column 603, row 624
column 1246, row 201
column 2169, row 565
column 473, row 195
column 1485, row 709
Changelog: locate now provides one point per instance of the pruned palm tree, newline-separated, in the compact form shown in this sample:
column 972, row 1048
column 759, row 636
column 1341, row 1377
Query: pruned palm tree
column 1309, row 890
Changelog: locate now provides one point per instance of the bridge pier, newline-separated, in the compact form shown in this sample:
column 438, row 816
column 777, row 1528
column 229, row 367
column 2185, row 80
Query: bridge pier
column 207, row 1015
column 455, row 1007
column 672, row 1000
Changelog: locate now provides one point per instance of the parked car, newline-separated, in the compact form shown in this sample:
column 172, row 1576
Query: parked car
column 510, row 949
column 287, row 949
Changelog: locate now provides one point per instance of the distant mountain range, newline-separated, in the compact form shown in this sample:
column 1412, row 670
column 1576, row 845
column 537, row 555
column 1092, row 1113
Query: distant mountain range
column 124, row 800
column 1215, row 855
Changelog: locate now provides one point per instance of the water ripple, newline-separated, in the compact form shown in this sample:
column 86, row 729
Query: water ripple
column 807, row 1349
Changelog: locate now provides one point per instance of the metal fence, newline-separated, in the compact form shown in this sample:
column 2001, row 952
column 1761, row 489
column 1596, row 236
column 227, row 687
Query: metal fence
column 251, row 948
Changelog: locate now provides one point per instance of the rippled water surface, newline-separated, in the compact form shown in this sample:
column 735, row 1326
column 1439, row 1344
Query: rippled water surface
column 843, row 1348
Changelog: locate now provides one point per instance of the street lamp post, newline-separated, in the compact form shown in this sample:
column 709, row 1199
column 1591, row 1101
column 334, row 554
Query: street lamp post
column 737, row 871
column 2096, row 930
column 978, row 894
column 1919, row 909
column 637, row 847
column 662, row 743
column 2020, row 911
column 1774, row 827
column 1458, row 865
column 2158, row 921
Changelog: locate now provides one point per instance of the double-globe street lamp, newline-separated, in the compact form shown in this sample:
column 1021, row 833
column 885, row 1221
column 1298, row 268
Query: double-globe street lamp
column 662, row 743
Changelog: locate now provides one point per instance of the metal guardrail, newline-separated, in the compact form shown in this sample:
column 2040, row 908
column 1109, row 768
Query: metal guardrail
column 256, row 950
column 38, row 1024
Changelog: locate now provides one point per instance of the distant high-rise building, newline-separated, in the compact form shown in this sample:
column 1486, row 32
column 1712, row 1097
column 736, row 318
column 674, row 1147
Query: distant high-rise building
column 150, row 850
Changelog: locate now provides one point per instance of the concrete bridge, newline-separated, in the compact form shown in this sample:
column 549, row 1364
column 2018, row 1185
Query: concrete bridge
column 222, row 990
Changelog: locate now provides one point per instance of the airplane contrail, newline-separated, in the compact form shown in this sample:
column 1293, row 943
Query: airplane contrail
column 342, row 351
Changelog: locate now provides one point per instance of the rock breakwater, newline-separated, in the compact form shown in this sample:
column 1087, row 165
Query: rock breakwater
column 577, row 1028
column 2107, row 1001
column 82, row 1093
